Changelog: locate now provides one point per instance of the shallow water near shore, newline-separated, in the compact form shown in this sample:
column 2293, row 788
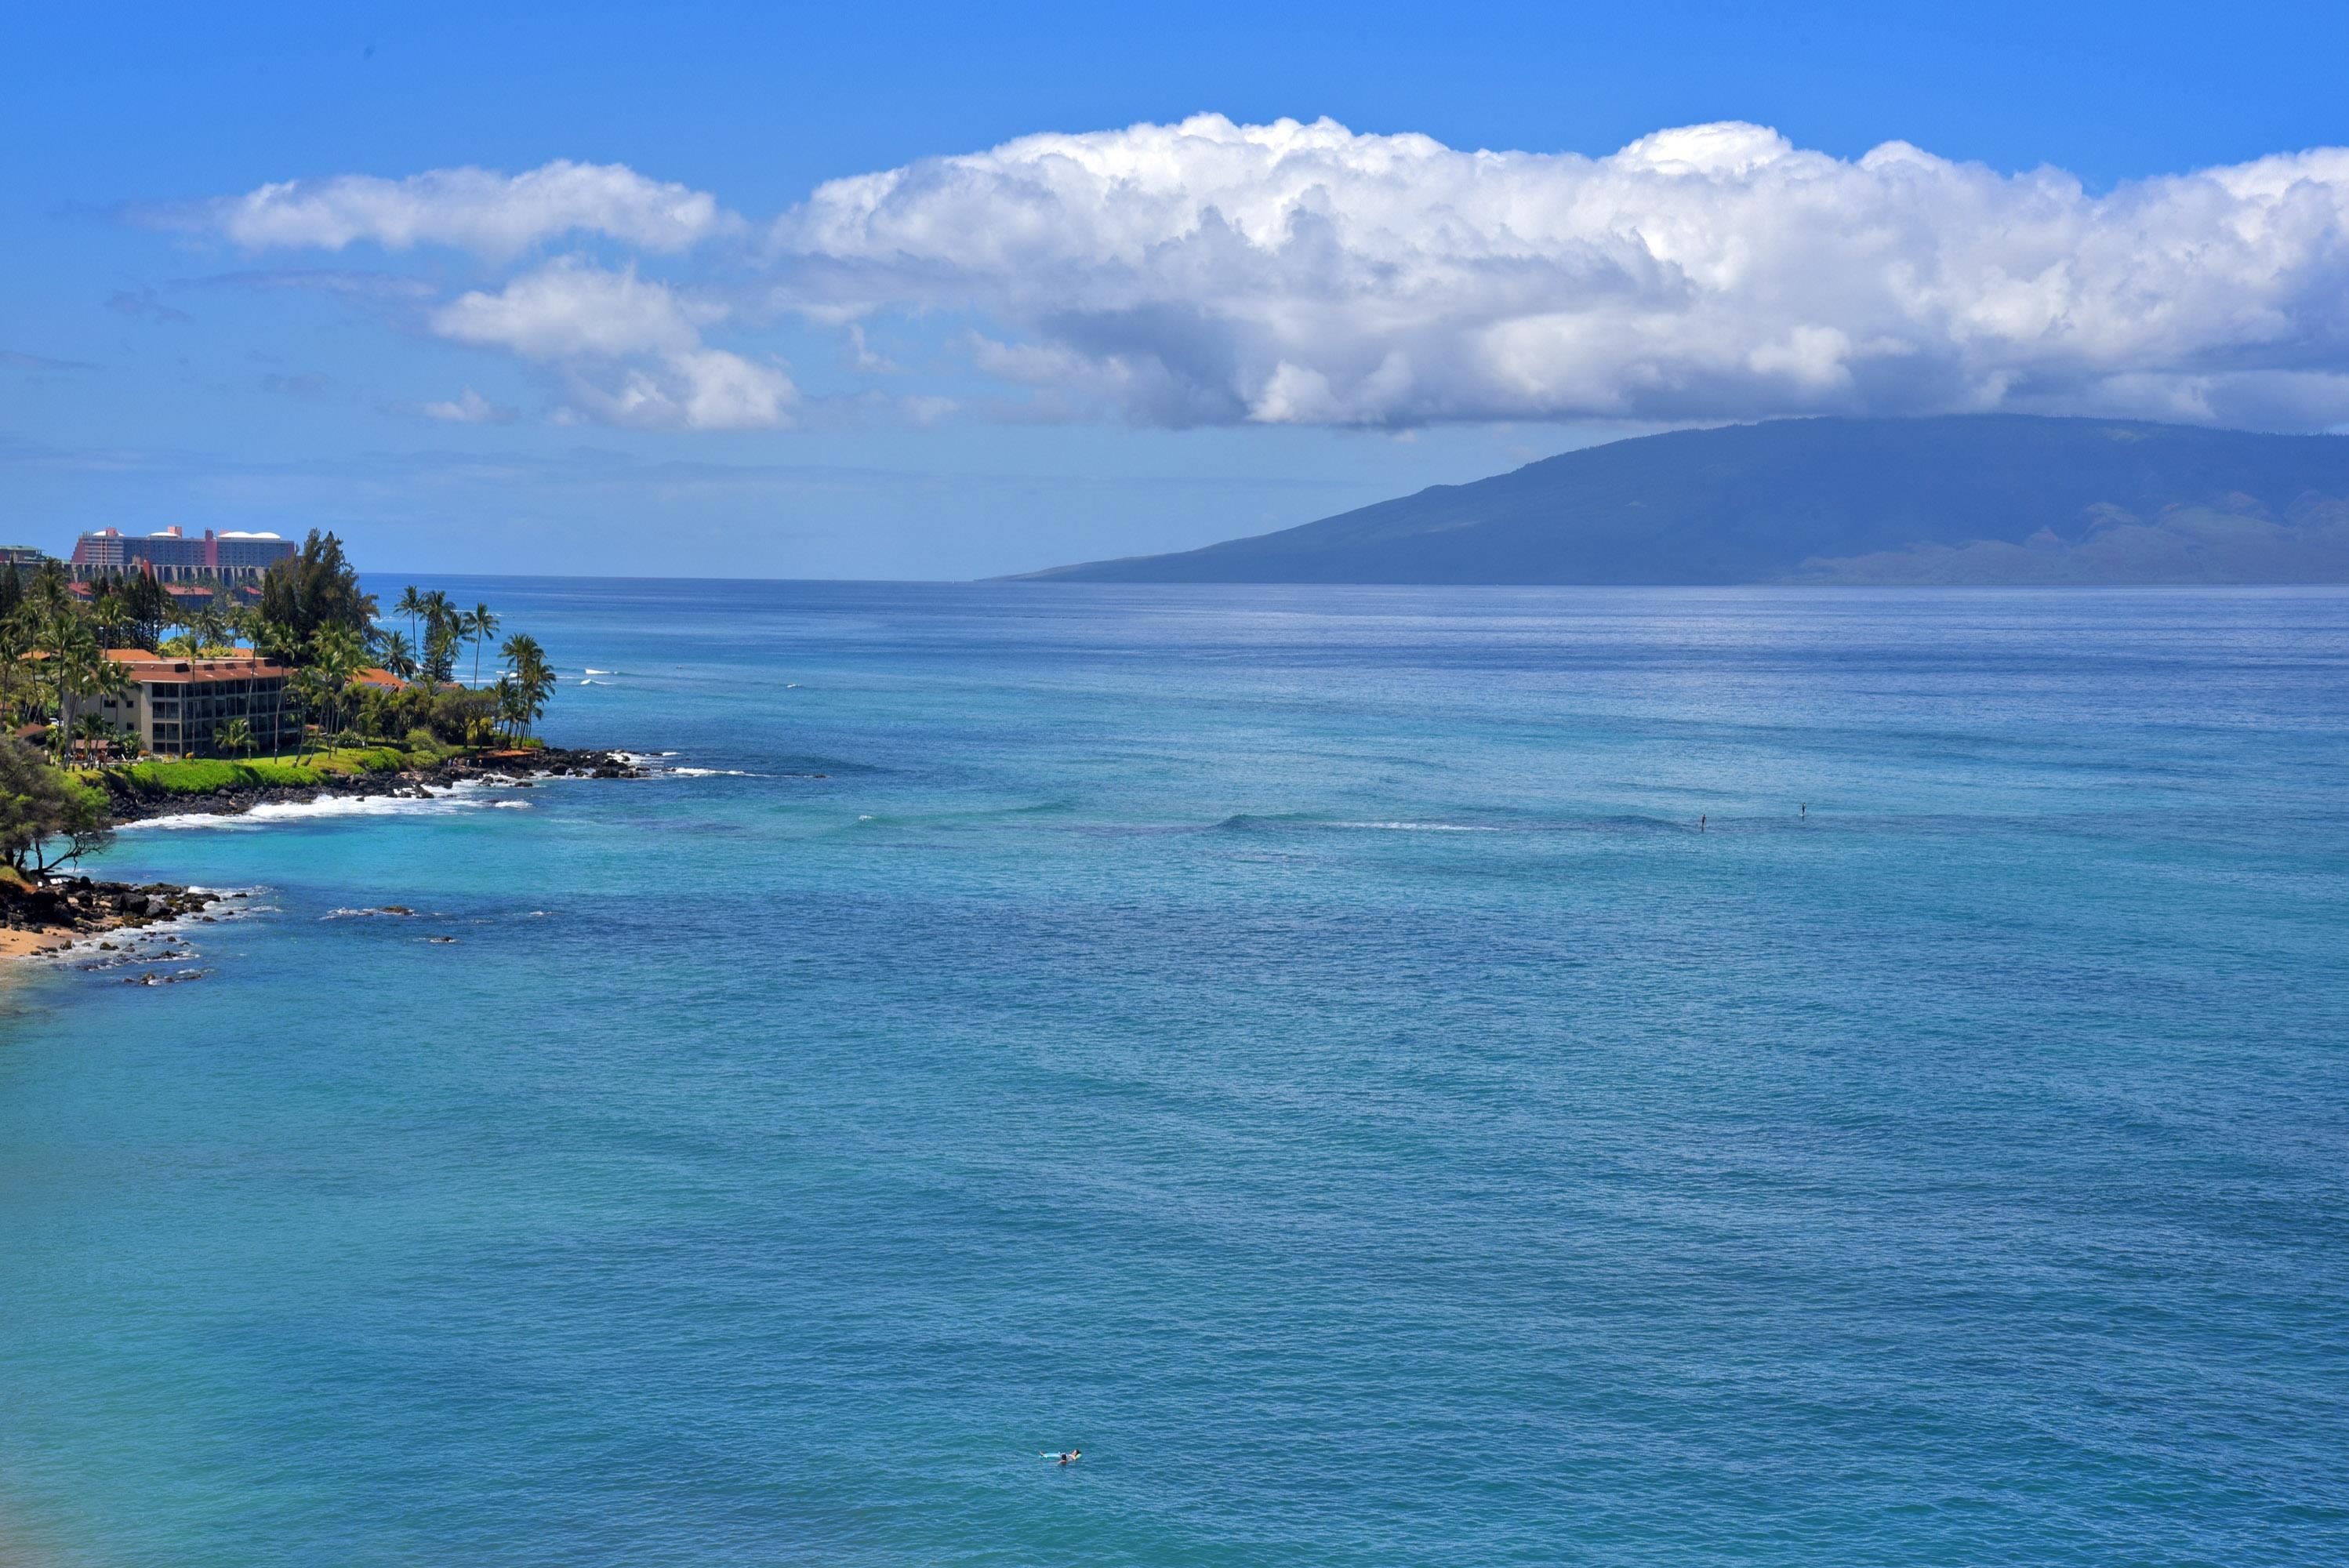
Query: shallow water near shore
column 1293, row 1045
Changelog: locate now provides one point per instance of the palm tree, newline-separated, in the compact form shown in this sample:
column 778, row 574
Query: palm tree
column 480, row 625
column 338, row 657
column 48, row 595
column 398, row 655
column 110, row 615
column 439, row 615
column 439, row 661
column 236, row 735
column 72, row 649
column 410, row 604
column 512, row 709
column 16, row 642
column 273, row 640
column 533, row 679
column 92, row 730
column 308, row 690
column 84, row 674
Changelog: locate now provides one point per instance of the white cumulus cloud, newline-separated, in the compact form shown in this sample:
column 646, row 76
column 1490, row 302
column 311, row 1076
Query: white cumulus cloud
column 630, row 350
column 471, row 208
column 1209, row 272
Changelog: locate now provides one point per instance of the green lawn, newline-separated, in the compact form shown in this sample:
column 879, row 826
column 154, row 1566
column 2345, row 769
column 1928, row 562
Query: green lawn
column 205, row 775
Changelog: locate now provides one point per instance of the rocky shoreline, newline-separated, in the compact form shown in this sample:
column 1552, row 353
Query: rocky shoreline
column 129, row 804
column 43, row 918
column 64, row 910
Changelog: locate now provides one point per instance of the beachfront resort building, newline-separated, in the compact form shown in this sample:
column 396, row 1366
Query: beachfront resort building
column 170, row 556
column 176, row 707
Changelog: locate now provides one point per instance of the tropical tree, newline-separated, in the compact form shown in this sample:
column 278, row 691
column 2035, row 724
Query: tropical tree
column 236, row 735
column 513, row 709
column 85, row 675
column 274, row 640
column 315, row 588
column 211, row 628
column 480, row 625
column 410, row 604
column 398, row 655
column 48, row 817
column 15, row 651
column 69, row 649
column 306, row 690
column 49, row 594
column 532, row 677
column 439, row 664
column 338, row 657
column 110, row 616
column 151, row 607
column 92, row 731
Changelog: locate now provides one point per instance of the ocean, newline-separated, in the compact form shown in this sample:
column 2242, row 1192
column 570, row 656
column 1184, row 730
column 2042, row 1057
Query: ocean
column 1297, row 1045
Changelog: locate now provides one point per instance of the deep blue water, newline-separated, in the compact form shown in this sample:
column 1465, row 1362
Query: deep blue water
column 1295, row 1045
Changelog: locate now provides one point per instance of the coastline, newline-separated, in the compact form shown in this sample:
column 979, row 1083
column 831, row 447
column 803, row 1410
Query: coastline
column 52, row 916
column 130, row 803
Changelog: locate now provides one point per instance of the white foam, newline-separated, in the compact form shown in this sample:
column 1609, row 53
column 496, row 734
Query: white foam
column 460, row 797
column 1416, row 827
column 510, row 805
column 709, row 773
column 603, row 671
column 229, row 903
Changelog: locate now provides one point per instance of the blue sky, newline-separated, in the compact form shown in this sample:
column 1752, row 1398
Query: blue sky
column 697, row 357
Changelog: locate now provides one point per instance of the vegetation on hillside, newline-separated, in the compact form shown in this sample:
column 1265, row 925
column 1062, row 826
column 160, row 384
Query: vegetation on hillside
column 309, row 614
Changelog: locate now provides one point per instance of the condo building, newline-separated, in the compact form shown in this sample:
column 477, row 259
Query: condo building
column 176, row 707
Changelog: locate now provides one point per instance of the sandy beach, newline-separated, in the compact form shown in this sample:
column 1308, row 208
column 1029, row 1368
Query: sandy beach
column 26, row 943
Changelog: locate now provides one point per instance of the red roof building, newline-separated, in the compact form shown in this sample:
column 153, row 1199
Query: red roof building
column 177, row 705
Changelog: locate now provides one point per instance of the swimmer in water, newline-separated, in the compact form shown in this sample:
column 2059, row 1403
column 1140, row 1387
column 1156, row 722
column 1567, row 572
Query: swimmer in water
column 1072, row 1457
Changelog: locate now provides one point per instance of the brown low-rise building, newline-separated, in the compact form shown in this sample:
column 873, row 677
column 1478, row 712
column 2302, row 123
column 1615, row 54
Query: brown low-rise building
column 176, row 707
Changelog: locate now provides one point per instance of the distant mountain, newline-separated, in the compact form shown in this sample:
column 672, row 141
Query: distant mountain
column 1970, row 498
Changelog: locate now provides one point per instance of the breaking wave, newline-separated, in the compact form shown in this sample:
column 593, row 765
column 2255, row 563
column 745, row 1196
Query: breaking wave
column 464, row 797
column 1247, row 822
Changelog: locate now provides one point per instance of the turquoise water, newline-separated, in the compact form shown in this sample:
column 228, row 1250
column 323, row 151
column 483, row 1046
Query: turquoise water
column 1293, row 1045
